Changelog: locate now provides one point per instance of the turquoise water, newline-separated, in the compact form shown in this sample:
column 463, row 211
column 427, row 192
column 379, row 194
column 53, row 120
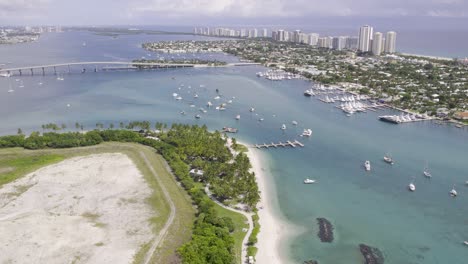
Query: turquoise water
column 374, row 208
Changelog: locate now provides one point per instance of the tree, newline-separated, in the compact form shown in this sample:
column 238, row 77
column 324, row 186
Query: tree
column 64, row 126
column 121, row 125
column 20, row 132
column 111, row 126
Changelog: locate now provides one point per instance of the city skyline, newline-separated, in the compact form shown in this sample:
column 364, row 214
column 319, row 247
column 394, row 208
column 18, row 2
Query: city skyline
column 182, row 12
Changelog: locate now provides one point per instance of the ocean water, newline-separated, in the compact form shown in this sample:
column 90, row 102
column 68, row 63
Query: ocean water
column 427, row 226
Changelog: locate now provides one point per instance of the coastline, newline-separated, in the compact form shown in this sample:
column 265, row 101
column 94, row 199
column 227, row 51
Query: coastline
column 275, row 232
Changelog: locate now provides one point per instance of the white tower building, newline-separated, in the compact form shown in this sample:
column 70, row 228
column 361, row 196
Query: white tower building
column 365, row 38
column 377, row 44
column 390, row 42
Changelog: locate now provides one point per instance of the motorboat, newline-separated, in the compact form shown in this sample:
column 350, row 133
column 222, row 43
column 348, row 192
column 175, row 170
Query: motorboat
column 237, row 117
column 412, row 187
column 195, row 96
column 283, row 127
column 453, row 192
column 367, row 165
column 309, row 181
column 307, row 133
column 197, row 116
column 294, row 123
column 388, row 159
column 465, row 243
column 229, row 130
column 178, row 98
column 209, row 104
column 175, row 95
column 261, row 120
column 309, row 92
column 426, row 172
column 252, row 110
column 217, row 98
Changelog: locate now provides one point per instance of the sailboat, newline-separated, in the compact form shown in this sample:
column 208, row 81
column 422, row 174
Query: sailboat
column 426, row 172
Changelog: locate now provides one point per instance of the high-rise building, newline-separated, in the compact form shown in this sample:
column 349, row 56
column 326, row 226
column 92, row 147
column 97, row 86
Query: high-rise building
column 296, row 36
column 281, row 35
column 339, row 43
column 377, row 44
column 255, row 33
column 390, row 42
column 351, row 43
column 243, row 33
column 365, row 38
column 313, row 39
column 274, row 35
column 265, row 33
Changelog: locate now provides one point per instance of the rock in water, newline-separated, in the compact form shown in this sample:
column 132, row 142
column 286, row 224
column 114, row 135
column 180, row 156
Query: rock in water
column 311, row 262
column 326, row 230
column 371, row 255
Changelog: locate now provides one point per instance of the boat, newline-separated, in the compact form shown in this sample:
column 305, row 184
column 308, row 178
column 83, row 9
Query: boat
column 309, row 92
column 367, row 165
column 426, row 172
column 209, row 104
column 412, row 187
column 178, row 98
column 252, row 110
column 195, row 96
column 294, row 123
column 309, row 181
column 261, row 120
column 453, row 192
column 307, row 133
column 197, row 116
column 283, row 127
column 465, row 243
column 388, row 159
column 182, row 112
column 229, row 130
column 5, row 74
column 237, row 117
column 217, row 98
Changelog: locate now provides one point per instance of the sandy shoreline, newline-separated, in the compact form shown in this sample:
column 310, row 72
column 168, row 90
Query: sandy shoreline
column 274, row 231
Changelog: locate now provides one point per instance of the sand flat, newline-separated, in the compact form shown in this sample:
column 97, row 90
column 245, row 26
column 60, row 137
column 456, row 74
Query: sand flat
column 83, row 210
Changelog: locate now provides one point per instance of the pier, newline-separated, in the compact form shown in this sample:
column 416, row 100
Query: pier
column 289, row 143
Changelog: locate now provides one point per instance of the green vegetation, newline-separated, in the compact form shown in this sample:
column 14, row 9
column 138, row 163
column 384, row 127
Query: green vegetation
column 12, row 166
column 251, row 249
column 217, row 234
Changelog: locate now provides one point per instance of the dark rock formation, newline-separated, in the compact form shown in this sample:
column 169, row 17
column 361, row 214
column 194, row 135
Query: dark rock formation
column 326, row 230
column 371, row 255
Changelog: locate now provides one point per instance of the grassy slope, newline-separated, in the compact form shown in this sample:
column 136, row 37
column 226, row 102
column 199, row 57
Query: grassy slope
column 15, row 163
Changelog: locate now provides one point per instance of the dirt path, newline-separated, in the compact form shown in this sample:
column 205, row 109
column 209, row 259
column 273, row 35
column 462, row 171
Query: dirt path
column 249, row 219
column 157, row 240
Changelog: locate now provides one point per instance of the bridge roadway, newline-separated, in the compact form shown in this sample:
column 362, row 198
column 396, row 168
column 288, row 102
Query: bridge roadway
column 158, row 65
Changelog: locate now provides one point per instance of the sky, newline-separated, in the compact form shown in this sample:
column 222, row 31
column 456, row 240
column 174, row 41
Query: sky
column 424, row 13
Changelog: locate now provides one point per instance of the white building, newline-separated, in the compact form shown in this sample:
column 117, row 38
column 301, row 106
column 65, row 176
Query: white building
column 365, row 38
column 313, row 39
column 265, row 33
column 255, row 33
column 390, row 42
column 339, row 43
column 281, row 35
column 377, row 44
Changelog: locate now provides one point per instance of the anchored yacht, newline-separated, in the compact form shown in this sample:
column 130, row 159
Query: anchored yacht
column 412, row 187
column 388, row 159
column 307, row 133
column 453, row 192
column 283, row 127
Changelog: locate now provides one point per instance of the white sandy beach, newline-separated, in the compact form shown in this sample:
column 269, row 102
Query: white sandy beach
column 274, row 231
column 83, row 210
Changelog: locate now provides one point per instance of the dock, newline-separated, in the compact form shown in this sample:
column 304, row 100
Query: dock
column 289, row 143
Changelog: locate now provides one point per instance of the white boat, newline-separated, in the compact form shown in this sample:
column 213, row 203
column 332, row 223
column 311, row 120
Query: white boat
column 237, row 117
column 68, row 105
column 11, row 90
column 197, row 116
column 465, row 243
column 307, row 133
column 252, row 110
column 309, row 181
column 217, row 98
column 178, row 98
column 453, row 192
column 174, row 95
column 309, row 92
column 426, row 172
column 209, row 104
column 388, row 159
column 367, row 165
column 283, row 127
column 5, row 74
column 195, row 96
column 412, row 187
column 261, row 120
column 294, row 123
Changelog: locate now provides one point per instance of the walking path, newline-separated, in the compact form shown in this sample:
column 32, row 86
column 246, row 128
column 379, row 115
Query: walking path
column 249, row 219
column 157, row 240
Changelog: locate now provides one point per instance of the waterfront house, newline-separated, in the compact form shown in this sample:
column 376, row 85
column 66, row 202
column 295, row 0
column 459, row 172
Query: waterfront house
column 461, row 115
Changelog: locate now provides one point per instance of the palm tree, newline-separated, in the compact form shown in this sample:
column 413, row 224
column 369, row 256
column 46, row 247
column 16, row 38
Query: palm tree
column 20, row 132
column 111, row 126
column 121, row 125
column 77, row 125
column 64, row 126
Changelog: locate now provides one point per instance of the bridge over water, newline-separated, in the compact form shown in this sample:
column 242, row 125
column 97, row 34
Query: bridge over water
column 110, row 65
